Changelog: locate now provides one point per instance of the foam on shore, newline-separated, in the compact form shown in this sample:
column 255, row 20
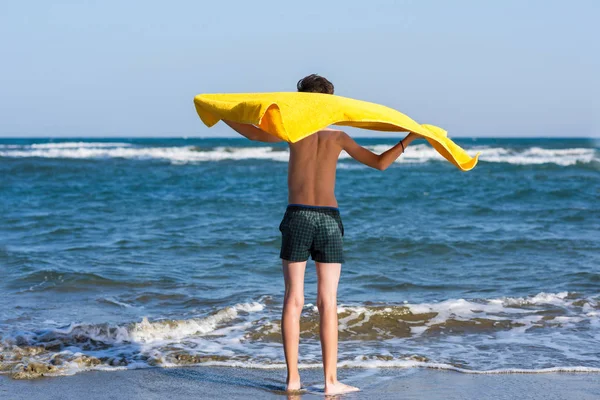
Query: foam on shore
column 558, row 332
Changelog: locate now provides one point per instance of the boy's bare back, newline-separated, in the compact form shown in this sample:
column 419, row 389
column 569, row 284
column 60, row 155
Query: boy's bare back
column 312, row 166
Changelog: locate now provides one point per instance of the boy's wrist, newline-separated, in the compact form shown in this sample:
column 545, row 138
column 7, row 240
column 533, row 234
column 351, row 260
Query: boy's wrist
column 410, row 137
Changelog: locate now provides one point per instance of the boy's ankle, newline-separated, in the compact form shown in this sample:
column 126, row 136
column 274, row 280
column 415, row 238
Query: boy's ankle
column 293, row 377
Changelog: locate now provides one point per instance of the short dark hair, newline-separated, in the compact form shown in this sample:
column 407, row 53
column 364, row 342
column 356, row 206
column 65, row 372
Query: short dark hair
column 315, row 84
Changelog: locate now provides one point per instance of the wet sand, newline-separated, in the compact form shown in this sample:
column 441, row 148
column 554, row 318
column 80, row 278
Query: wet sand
column 235, row 383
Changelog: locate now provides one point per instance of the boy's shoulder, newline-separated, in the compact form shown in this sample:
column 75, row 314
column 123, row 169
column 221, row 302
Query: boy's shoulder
column 330, row 133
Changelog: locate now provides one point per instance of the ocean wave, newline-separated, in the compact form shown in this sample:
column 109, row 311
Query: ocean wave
column 538, row 155
column 68, row 281
column 78, row 145
column 547, row 332
column 64, row 145
column 416, row 154
column 176, row 155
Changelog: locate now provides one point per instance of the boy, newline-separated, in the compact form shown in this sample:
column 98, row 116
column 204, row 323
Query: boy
column 312, row 226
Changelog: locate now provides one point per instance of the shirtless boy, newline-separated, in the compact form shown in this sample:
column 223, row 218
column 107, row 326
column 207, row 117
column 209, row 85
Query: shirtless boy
column 312, row 226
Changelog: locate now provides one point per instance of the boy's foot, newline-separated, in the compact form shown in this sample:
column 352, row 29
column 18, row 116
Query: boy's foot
column 339, row 388
column 293, row 386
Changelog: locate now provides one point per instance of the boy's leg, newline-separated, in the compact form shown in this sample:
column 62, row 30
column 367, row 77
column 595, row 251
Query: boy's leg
column 328, row 275
column 293, row 274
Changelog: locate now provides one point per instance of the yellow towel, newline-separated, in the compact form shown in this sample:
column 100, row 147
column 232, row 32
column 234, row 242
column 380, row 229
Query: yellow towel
column 292, row 116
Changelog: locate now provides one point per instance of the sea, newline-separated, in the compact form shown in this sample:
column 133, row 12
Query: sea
column 127, row 253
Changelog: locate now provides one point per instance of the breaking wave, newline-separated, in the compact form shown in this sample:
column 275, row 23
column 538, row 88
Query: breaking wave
column 559, row 332
column 191, row 154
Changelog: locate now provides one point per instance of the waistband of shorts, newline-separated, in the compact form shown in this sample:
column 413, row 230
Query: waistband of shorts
column 309, row 207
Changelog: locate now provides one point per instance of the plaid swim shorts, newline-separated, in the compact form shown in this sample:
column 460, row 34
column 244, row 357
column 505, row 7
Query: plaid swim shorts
column 312, row 230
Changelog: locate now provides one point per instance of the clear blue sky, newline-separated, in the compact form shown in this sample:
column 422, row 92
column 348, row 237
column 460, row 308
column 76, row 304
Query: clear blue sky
column 131, row 68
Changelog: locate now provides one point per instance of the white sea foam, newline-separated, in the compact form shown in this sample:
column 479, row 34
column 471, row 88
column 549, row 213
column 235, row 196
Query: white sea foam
column 416, row 154
column 160, row 330
column 402, row 363
column 78, row 145
column 537, row 155
column 148, row 332
column 65, row 145
column 176, row 155
column 547, row 332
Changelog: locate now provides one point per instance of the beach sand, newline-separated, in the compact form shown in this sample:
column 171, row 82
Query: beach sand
column 235, row 383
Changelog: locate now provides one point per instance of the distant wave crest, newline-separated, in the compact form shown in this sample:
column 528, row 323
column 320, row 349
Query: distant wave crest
column 417, row 154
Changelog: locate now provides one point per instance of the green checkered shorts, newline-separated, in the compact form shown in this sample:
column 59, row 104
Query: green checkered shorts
column 312, row 230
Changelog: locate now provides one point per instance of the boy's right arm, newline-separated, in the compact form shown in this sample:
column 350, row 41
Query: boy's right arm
column 367, row 157
column 252, row 132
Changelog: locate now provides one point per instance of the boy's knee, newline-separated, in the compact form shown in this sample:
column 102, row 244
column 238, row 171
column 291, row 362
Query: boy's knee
column 294, row 300
column 326, row 302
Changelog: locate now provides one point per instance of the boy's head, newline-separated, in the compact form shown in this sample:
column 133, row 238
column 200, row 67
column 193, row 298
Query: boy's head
column 315, row 84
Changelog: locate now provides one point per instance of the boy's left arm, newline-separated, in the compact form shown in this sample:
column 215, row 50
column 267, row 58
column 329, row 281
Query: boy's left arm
column 252, row 132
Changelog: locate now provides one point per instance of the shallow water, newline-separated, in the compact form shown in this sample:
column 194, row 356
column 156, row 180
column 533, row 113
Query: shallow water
column 127, row 253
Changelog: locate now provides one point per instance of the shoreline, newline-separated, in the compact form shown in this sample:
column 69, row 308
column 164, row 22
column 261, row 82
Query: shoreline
column 241, row 383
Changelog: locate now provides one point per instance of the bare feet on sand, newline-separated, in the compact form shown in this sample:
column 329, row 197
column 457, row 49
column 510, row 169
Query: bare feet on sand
column 339, row 388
